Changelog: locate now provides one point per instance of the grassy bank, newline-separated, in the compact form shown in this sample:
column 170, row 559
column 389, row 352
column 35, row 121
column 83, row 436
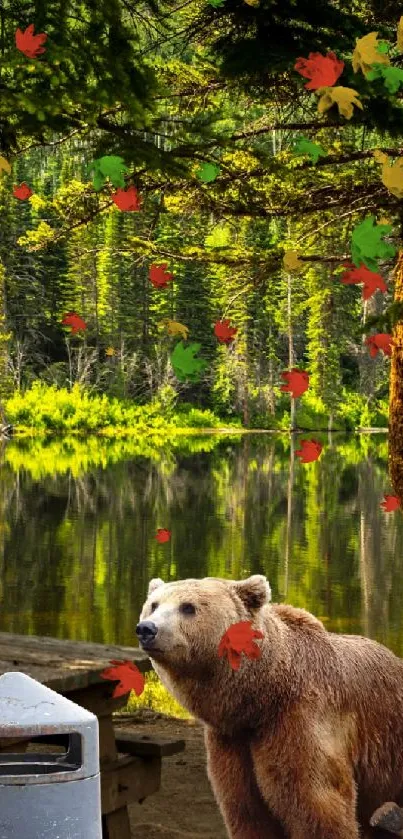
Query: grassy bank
column 45, row 409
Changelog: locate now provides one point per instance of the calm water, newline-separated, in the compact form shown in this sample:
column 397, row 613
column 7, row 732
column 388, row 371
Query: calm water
column 78, row 520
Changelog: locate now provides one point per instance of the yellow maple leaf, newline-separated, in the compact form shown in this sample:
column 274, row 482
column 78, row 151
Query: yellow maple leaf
column 291, row 261
column 4, row 165
column 399, row 40
column 380, row 156
column 175, row 328
column 366, row 53
column 110, row 351
column 392, row 176
column 252, row 2
column 343, row 97
column 384, row 220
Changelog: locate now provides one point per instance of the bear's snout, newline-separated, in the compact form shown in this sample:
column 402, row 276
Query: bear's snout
column 146, row 632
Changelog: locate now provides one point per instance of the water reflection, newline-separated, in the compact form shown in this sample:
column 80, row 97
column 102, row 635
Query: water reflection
column 78, row 520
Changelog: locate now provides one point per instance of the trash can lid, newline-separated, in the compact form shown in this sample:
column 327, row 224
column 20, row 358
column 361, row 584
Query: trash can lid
column 26, row 704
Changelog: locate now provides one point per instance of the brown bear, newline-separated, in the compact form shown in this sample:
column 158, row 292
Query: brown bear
column 304, row 742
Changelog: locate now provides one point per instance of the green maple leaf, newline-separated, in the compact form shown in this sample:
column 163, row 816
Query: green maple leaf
column 367, row 245
column 109, row 166
column 305, row 146
column 208, row 172
column 216, row 3
column 186, row 366
column 392, row 76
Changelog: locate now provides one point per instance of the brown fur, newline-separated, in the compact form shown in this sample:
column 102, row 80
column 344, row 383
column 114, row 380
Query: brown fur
column 304, row 742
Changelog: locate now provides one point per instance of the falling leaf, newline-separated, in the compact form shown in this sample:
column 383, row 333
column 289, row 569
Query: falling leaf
column 4, row 165
column 310, row 450
column 28, row 43
column 128, row 200
column 74, row 321
column 392, row 76
column 382, row 341
column 175, row 328
column 366, row 53
column 380, row 156
column 163, row 535
column 291, row 261
column 224, row 332
column 110, row 351
column 128, row 676
column 240, row 638
column 384, row 220
column 372, row 281
column 367, row 245
column 110, row 166
column 22, row 192
column 216, row 3
column 322, row 70
column 208, row 172
column 252, row 2
column 305, row 146
column 297, row 382
column 343, row 97
column 159, row 276
column 390, row 503
column 399, row 40
column 186, row 366
column 392, row 174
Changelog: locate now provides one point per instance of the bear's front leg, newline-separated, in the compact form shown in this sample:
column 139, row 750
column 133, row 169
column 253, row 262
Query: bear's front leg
column 230, row 772
column 313, row 795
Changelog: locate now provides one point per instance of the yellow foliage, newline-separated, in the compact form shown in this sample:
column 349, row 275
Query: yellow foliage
column 175, row 328
column 343, row 97
column 366, row 53
column 399, row 41
column 4, row 165
column 392, row 175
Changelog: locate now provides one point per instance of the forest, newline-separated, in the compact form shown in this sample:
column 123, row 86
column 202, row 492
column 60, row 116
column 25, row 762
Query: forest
column 181, row 215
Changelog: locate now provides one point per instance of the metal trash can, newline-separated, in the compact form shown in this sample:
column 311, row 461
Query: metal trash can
column 48, row 795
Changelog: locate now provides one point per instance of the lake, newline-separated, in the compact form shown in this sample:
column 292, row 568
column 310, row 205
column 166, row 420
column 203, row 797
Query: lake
column 78, row 519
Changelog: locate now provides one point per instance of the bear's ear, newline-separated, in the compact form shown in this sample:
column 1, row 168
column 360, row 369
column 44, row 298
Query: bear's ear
column 153, row 584
column 254, row 592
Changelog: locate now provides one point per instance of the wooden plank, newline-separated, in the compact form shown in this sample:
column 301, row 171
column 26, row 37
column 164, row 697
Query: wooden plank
column 63, row 665
column 116, row 825
column 145, row 745
column 128, row 779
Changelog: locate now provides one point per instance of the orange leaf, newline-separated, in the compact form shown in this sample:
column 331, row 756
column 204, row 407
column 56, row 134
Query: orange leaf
column 159, row 276
column 128, row 200
column 322, row 70
column 74, row 320
column 28, row 43
column 390, row 503
column 310, row 450
column 224, row 332
column 128, row 676
column 22, row 192
column 239, row 638
column 372, row 281
column 297, row 384
column 163, row 535
column 382, row 341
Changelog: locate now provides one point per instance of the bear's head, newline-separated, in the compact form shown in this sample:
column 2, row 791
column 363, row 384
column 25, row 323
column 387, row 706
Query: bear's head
column 181, row 626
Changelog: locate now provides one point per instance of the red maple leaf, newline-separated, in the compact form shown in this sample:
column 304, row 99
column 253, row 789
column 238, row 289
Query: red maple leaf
column 239, row 638
column 74, row 320
column 22, row 192
column 128, row 676
column 322, row 70
column 298, row 382
column 128, row 200
column 159, row 276
column 382, row 341
column 224, row 332
column 28, row 43
column 310, row 450
column 390, row 503
column 163, row 535
column 372, row 281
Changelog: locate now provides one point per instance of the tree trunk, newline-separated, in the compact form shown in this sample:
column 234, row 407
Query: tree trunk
column 396, row 395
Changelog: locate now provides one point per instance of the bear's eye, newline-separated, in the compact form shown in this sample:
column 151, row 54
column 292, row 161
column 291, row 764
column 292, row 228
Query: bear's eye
column 187, row 609
column 154, row 606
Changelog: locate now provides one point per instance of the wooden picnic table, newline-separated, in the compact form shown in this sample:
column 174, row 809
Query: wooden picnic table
column 130, row 765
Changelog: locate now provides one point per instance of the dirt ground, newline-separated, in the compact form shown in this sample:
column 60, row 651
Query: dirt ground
column 184, row 807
